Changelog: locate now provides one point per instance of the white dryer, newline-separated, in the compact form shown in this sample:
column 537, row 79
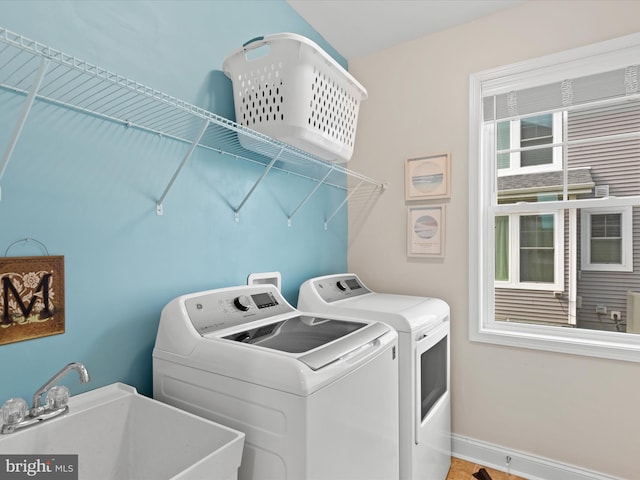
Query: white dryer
column 315, row 396
column 423, row 329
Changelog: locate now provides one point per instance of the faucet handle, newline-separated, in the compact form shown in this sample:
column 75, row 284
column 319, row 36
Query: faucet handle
column 13, row 411
column 57, row 397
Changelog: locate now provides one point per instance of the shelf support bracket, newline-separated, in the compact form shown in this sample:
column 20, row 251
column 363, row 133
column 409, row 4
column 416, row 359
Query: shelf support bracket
column 26, row 109
column 346, row 199
column 255, row 185
column 194, row 144
column 295, row 212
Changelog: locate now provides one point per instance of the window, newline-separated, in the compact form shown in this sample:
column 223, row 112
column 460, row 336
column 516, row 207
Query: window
column 607, row 239
column 554, row 180
column 519, row 143
column 529, row 252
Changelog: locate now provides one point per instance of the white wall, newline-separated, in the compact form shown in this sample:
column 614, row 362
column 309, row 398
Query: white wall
column 575, row 410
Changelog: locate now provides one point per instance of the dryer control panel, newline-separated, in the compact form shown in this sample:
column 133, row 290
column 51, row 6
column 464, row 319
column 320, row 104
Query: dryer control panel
column 223, row 308
column 338, row 287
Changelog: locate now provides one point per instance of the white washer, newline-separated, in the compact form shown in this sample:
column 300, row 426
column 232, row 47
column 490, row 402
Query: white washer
column 423, row 328
column 315, row 396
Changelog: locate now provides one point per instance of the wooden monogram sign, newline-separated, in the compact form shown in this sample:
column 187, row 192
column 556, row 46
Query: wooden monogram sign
column 31, row 297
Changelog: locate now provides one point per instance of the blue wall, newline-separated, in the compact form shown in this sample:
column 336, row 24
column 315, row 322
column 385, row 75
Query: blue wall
column 87, row 188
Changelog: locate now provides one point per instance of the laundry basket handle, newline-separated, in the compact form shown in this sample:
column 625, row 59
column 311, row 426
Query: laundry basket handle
column 247, row 45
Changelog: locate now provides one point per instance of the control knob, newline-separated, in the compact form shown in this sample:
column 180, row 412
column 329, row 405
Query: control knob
column 340, row 285
column 242, row 303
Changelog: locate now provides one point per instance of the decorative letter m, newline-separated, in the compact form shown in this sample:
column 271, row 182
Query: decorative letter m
column 26, row 311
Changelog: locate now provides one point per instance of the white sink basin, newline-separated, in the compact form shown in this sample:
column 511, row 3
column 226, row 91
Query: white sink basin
column 121, row 435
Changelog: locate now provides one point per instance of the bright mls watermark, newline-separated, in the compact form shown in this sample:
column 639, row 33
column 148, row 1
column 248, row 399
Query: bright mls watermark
column 38, row 467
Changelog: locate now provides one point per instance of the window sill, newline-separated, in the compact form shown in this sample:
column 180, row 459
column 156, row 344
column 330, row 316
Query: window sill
column 537, row 287
column 594, row 267
column 592, row 343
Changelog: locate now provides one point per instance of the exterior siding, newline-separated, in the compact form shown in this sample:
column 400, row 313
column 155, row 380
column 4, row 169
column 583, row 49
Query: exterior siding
column 616, row 165
column 609, row 289
column 530, row 306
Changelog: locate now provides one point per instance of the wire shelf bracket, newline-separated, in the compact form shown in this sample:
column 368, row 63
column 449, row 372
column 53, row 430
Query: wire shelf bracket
column 342, row 204
column 26, row 109
column 315, row 189
column 255, row 185
column 194, row 144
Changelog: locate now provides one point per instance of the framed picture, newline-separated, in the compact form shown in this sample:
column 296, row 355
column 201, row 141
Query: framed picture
column 428, row 177
column 31, row 297
column 425, row 231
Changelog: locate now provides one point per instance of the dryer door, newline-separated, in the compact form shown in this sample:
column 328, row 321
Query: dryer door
column 432, row 374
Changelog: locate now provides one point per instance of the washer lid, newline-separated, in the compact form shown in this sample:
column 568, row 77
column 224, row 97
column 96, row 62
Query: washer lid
column 303, row 334
column 297, row 334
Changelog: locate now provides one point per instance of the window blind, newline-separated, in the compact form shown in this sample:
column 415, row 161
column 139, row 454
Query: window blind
column 618, row 84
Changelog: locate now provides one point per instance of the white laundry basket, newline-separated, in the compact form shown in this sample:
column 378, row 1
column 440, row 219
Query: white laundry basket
column 285, row 86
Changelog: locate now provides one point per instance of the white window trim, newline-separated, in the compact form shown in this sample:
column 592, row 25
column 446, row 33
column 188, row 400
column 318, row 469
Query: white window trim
column 515, row 146
column 514, row 256
column 482, row 327
column 627, row 240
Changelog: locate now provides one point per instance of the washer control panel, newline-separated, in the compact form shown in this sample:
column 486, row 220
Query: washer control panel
column 219, row 309
column 338, row 287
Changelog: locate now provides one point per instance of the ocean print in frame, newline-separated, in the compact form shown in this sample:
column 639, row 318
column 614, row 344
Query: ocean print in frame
column 425, row 231
column 428, row 177
column 31, row 297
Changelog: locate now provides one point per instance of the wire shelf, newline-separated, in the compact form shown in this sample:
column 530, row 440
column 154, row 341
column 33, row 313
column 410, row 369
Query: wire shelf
column 37, row 71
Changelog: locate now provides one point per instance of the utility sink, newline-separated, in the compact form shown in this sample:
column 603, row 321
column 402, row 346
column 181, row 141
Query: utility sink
column 119, row 434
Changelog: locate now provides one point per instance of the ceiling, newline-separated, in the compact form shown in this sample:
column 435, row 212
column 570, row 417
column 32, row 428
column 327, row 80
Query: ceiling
column 360, row 27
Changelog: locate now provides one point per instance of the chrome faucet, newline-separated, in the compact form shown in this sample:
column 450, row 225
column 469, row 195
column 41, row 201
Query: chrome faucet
column 14, row 414
column 36, row 405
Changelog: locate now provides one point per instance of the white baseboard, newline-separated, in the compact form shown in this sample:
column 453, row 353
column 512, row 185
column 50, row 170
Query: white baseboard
column 520, row 464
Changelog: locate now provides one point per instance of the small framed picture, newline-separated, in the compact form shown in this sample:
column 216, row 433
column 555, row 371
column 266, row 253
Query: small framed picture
column 428, row 177
column 425, row 231
column 31, row 297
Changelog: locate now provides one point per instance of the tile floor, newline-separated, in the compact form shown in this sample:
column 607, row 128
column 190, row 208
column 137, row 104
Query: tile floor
column 461, row 470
